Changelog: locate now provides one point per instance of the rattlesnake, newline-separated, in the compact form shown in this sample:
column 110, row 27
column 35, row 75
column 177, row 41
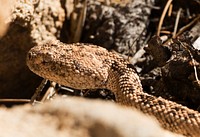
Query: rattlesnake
column 86, row 66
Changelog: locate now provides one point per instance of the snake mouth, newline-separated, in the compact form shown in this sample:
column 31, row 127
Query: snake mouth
column 36, row 59
column 42, row 62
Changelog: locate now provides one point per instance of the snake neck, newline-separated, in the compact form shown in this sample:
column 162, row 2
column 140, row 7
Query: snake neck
column 123, row 81
column 125, row 84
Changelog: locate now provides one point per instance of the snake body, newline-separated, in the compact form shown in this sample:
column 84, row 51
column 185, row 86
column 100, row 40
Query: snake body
column 85, row 66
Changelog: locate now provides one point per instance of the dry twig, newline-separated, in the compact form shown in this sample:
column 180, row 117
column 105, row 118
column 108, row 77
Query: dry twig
column 176, row 23
column 163, row 16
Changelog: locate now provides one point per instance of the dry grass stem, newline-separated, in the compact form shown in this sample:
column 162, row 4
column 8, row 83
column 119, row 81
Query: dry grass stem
column 176, row 23
column 163, row 16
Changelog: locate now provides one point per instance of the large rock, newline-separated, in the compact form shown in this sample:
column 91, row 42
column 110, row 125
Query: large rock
column 5, row 10
column 30, row 24
column 76, row 117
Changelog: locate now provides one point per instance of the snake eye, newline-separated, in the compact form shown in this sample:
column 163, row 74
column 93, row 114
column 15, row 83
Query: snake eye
column 48, row 57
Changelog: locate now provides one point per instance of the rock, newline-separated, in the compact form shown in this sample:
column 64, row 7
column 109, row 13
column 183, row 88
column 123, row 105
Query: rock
column 76, row 117
column 30, row 24
column 5, row 10
column 119, row 27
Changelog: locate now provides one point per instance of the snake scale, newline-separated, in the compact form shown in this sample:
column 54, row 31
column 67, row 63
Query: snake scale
column 86, row 66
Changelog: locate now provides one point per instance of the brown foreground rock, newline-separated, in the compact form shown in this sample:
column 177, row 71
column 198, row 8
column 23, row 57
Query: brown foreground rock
column 76, row 117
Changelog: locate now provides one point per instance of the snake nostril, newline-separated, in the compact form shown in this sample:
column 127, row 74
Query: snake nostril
column 29, row 56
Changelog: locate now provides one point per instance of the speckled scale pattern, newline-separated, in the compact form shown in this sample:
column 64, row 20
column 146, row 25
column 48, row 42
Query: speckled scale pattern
column 86, row 66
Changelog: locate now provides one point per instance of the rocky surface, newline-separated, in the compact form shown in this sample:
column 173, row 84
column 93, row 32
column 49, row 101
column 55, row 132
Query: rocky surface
column 75, row 117
column 30, row 24
column 118, row 27
column 5, row 10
